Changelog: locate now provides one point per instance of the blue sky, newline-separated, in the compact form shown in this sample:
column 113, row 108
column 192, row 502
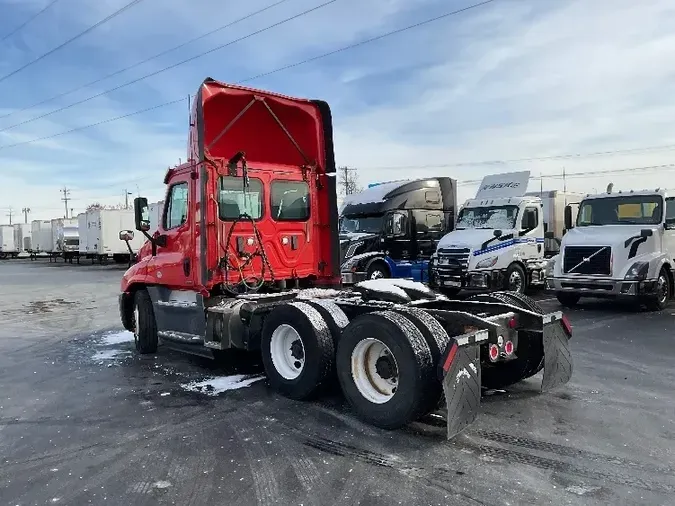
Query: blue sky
column 512, row 79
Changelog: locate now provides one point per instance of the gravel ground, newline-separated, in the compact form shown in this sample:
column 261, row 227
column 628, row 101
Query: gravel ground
column 83, row 420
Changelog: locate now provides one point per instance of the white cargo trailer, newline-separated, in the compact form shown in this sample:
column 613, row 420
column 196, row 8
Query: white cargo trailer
column 104, row 234
column 41, row 236
column 155, row 211
column 83, row 235
column 553, row 203
column 8, row 248
column 22, row 237
column 65, row 238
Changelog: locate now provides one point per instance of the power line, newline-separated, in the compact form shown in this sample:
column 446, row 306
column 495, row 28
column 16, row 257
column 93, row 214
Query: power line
column 167, row 51
column 28, row 21
column 280, row 69
column 663, row 147
column 72, row 39
column 192, row 58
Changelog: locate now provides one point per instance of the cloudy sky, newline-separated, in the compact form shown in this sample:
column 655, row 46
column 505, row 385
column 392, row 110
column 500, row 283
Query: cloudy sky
column 511, row 85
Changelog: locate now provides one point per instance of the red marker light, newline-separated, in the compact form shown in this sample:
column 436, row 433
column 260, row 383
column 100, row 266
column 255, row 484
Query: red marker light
column 508, row 348
column 512, row 323
column 494, row 352
column 567, row 325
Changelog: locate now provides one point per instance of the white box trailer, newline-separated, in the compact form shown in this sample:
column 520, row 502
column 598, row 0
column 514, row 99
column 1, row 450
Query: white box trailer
column 22, row 237
column 83, row 235
column 155, row 211
column 104, row 233
column 65, row 237
column 554, row 202
column 41, row 235
column 8, row 248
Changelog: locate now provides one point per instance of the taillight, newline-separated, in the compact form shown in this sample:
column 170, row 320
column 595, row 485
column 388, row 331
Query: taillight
column 508, row 348
column 494, row 352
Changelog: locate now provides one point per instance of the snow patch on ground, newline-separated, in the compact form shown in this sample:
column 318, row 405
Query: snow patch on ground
column 581, row 490
column 117, row 338
column 110, row 354
column 219, row 384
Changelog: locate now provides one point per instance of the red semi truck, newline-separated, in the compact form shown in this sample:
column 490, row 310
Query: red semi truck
column 247, row 256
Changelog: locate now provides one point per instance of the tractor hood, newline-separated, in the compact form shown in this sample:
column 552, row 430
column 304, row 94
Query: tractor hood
column 268, row 128
column 472, row 238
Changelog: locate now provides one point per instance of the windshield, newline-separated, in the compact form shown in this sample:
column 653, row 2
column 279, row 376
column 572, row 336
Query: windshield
column 361, row 224
column 621, row 210
column 495, row 217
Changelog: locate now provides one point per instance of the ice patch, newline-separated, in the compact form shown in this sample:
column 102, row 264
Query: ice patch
column 161, row 484
column 473, row 368
column 219, row 384
column 117, row 338
column 110, row 354
column 578, row 490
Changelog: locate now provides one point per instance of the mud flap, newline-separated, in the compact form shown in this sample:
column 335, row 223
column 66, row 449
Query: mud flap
column 459, row 369
column 557, row 356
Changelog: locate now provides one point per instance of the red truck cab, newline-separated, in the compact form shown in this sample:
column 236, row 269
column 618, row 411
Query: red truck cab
column 253, row 209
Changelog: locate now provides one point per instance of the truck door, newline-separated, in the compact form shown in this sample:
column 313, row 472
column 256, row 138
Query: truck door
column 669, row 236
column 172, row 266
column 531, row 233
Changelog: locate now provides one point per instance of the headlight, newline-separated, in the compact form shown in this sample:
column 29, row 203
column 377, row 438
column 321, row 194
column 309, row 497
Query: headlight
column 487, row 263
column 550, row 266
column 638, row 270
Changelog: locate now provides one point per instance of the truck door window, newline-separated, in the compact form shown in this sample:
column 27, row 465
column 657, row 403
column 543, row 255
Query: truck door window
column 530, row 218
column 395, row 225
column 434, row 223
column 176, row 210
column 235, row 200
column 670, row 210
column 290, row 200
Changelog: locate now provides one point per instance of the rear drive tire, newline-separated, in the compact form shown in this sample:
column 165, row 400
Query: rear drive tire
column 568, row 300
column 529, row 354
column 297, row 350
column 437, row 339
column 659, row 301
column 385, row 369
column 145, row 326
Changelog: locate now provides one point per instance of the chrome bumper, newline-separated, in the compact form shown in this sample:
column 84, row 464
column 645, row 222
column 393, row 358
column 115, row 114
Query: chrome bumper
column 601, row 287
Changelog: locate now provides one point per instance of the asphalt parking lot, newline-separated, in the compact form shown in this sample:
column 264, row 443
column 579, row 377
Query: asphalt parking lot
column 83, row 420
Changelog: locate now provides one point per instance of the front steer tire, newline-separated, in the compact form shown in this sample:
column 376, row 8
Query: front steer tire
column 568, row 300
column 659, row 301
column 145, row 326
column 297, row 350
column 414, row 369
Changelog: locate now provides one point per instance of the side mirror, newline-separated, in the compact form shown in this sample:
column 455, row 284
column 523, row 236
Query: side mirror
column 568, row 217
column 497, row 233
column 669, row 225
column 141, row 214
column 126, row 235
column 646, row 232
column 549, row 235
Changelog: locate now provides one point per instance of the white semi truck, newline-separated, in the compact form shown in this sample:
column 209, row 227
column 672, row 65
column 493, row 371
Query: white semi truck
column 621, row 245
column 502, row 237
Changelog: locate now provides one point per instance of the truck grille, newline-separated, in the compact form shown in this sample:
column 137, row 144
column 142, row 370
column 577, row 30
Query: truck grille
column 452, row 262
column 595, row 265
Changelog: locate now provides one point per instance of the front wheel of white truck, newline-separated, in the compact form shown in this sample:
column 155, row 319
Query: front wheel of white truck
column 659, row 300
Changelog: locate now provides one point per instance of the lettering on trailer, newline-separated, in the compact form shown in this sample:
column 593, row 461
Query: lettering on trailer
column 511, row 184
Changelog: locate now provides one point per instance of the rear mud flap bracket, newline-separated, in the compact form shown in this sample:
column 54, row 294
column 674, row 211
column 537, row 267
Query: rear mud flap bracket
column 460, row 372
column 558, row 364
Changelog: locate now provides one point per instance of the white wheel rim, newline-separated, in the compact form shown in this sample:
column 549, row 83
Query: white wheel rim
column 374, row 386
column 287, row 351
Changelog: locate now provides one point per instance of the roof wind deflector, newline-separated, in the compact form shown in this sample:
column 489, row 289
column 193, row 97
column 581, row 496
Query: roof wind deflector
column 274, row 116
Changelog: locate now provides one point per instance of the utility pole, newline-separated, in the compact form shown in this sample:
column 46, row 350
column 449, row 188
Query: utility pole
column 348, row 180
column 126, row 198
column 10, row 213
column 66, row 198
column 25, row 212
